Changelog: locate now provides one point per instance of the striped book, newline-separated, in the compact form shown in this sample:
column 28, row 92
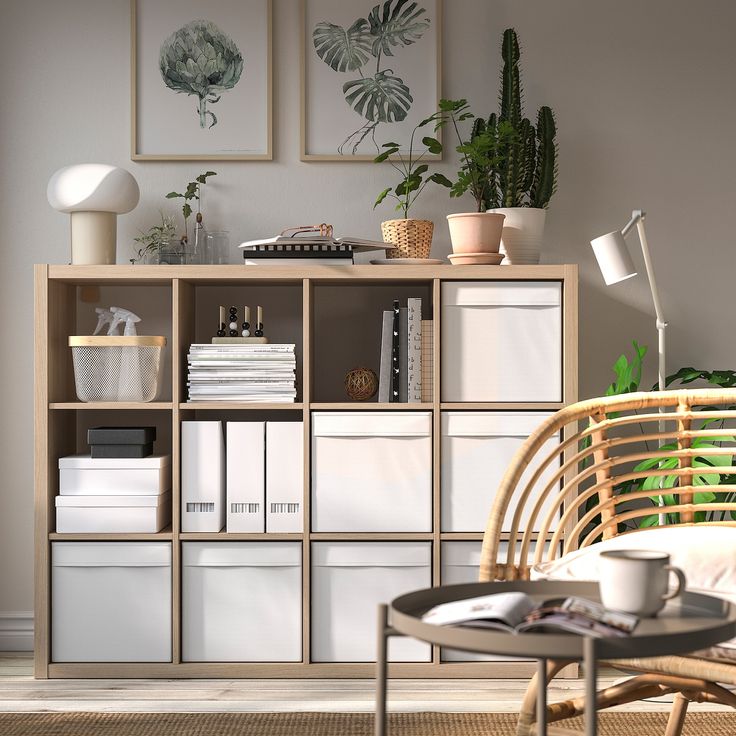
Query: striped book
column 427, row 361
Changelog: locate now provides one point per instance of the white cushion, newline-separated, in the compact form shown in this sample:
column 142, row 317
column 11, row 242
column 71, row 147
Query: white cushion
column 706, row 554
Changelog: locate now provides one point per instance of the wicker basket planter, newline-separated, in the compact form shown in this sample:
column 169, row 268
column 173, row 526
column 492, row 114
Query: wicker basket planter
column 412, row 238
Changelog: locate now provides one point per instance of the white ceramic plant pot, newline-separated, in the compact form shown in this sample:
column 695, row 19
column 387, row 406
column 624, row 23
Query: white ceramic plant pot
column 523, row 230
column 475, row 232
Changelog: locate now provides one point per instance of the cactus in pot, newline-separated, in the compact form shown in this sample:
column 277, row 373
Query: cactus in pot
column 527, row 175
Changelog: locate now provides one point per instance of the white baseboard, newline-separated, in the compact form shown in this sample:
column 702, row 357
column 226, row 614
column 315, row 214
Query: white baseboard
column 16, row 631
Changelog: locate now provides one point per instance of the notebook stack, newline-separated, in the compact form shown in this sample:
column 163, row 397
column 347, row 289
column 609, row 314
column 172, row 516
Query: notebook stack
column 249, row 373
column 314, row 250
column 114, row 494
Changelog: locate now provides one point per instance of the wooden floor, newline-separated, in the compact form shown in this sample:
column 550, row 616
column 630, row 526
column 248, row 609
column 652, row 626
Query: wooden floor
column 19, row 692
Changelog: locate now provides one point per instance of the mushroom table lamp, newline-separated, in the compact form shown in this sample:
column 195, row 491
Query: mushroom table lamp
column 94, row 195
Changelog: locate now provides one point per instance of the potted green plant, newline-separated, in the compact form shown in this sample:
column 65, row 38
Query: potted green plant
column 527, row 177
column 150, row 244
column 412, row 238
column 476, row 233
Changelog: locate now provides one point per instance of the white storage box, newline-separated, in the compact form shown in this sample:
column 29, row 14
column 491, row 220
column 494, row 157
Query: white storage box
column 242, row 602
column 349, row 580
column 477, row 448
column 246, row 476
column 284, row 477
column 372, row 472
column 111, row 601
column 202, row 476
column 112, row 514
column 461, row 564
column 87, row 476
column 502, row 341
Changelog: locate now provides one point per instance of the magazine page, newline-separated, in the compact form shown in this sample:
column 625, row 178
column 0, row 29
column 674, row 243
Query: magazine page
column 500, row 610
column 579, row 616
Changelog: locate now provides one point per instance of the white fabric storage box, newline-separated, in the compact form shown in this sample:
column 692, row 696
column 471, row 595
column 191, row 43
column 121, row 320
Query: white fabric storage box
column 477, row 448
column 88, row 476
column 349, row 580
column 111, row 601
column 242, row 602
column 372, row 472
column 113, row 514
column 502, row 341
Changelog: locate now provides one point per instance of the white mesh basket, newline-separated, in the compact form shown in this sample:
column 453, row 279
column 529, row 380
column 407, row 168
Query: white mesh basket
column 117, row 368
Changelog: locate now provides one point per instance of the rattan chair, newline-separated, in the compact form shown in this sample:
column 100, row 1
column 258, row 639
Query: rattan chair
column 597, row 494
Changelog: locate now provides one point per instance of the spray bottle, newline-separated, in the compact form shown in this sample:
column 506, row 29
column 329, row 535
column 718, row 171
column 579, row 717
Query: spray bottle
column 130, row 383
column 104, row 317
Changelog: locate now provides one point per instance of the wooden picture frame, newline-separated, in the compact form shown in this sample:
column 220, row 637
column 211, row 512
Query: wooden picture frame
column 156, row 137
column 433, row 42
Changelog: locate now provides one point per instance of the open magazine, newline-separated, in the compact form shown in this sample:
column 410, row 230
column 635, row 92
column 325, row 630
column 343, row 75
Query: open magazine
column 516, row 612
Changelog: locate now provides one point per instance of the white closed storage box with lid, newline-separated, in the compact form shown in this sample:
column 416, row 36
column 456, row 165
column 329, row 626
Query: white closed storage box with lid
column 349, row 580
column 90, row 476
column 241, row 602
column 111, row 601
column 501, row 341
column 372, row 472
column 477, row 448
column 113, row 514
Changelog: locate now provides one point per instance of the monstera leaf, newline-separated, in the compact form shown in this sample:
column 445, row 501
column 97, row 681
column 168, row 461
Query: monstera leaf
column 343, row 51
column 382, row 98
column 396, row 23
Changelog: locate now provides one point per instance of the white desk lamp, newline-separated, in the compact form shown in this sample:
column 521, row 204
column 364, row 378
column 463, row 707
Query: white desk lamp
column 616, row 265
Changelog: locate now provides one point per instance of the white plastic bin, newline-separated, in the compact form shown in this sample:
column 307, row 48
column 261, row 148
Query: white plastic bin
column 111, row 602
column 349, row 580
column 502, row 341
column 242, row 602
column 372, row 472
column 476, row 450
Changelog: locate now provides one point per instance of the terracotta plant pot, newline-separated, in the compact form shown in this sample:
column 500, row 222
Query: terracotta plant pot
column 475, row 232
column 412, row 238
column 523, row 231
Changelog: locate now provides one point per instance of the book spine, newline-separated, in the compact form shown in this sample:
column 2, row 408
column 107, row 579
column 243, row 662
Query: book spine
column 384, row 376
column 414, row 356
column 395, row 354
column 427, row 360
column 404, row 355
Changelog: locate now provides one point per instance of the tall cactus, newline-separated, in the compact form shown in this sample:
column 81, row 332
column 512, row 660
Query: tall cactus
column 545, row 172
column 527, row 175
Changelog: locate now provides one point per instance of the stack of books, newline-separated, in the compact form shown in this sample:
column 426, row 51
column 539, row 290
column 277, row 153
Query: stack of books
column 317, row 250
column 406, row 355
column 254, row 373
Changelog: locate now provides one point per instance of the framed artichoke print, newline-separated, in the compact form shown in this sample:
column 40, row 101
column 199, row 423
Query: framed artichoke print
column 201, row 80
column 370, row 73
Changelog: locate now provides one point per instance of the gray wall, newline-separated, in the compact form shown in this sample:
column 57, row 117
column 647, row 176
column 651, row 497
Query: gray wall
column 644, row 96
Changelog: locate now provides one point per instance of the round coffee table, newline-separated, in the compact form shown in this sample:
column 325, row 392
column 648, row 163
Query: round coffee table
column 688, row 623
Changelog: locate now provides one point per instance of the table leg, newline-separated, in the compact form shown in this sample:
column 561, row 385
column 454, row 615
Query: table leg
column 591, row 685
column 381, row 670
column 542, row 697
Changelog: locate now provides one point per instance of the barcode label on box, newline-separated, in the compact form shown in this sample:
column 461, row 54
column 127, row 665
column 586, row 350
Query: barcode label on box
column 200, row 508
column 245, row 508
column 285, row 508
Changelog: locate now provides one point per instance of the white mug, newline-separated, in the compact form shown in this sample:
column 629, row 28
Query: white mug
column 636, row 581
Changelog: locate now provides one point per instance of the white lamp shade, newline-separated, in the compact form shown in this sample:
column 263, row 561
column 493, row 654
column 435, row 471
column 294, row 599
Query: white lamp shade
column 613, row 257
column 93, row 188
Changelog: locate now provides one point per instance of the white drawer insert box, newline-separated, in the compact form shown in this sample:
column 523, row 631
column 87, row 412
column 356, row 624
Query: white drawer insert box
column 111, row 602
column 82, row 475
column 502, row 341
column 113, row 514
column 242, row 602
column 372, row 472
column 477, row 448
column 349, row 580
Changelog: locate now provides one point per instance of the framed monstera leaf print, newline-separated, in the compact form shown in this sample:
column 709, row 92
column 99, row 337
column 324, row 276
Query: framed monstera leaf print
column 370, row 73
column 201, row 80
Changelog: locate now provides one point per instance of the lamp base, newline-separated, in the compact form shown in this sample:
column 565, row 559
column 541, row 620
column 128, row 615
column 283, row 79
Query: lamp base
column 94, row 238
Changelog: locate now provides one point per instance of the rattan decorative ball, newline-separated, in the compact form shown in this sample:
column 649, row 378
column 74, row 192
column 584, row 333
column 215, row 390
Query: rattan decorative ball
column 361, row 384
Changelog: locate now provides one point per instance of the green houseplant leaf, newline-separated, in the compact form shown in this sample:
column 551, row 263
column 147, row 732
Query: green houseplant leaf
column 382, row 98
column 396, row 23
column 343, row 50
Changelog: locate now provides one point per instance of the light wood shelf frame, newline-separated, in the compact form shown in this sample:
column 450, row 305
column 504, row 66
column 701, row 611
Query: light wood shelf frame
column 56, row 415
